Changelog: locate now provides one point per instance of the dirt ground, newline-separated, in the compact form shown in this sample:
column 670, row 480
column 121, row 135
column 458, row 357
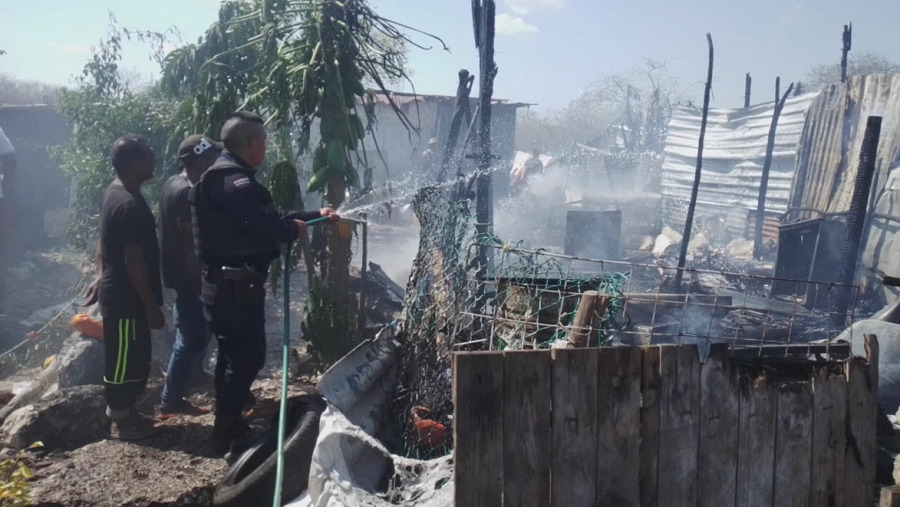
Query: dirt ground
column 177, row 466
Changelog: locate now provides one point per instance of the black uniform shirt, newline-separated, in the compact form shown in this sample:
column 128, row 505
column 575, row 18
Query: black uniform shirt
column 174, row 208
column 125, row 219
column 235, row 221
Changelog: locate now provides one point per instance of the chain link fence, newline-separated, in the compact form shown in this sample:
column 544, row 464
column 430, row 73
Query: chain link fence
column 470, row 292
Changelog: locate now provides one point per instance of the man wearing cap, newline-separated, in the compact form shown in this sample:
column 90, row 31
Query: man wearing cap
column 238, row 232
column 181, row 272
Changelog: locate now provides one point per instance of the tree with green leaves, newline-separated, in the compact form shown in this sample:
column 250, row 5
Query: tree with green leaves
column 299, row 63
column 102, row 106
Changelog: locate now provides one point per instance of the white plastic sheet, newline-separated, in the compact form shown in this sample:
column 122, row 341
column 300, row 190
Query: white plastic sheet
column 348, row 465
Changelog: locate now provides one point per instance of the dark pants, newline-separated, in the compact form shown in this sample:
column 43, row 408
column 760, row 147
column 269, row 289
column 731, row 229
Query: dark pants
column 235, row 311
column 191, row 339
column 127, row 360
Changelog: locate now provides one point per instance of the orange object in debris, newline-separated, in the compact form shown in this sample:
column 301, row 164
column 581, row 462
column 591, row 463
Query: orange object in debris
column 429, row 433
column 88, row 326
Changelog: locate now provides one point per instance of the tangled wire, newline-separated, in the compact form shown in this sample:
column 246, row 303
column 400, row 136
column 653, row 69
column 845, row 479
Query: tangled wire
column 475, row 292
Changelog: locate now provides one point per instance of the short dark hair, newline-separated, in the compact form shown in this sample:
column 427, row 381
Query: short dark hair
column 127, row 150
column 240, row 128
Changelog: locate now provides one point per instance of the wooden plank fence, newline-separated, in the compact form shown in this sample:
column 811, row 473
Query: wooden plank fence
column 651, row 426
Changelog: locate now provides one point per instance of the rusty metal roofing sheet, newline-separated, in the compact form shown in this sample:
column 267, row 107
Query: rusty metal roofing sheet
column 828, row 155
column 403, row 98
column 733, row 154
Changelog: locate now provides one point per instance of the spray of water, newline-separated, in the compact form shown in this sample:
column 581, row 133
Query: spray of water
column 399, row 192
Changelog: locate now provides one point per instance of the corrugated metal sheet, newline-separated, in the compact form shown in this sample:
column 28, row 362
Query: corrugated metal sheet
column 733, row 155
column 402, row 99
column 828, row 162
column 828, row 157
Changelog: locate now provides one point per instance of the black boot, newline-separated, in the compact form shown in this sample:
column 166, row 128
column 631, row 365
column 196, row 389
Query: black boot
column 232, row 437
column 225, row 430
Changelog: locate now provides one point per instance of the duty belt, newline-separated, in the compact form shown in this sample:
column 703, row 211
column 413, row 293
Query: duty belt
column 244, row 273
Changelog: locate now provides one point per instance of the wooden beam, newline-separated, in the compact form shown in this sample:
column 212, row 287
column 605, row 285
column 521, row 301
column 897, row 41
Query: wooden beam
column 591, row 309
column 650, row 427
column 526, row 423
column 679, row 425
column 689, row 222
column 829, row 438
column 747, row 84
column 767, row 166
column 719, row 407
column 793, row 444
column 872, row 357
column 862, row 411
column 756, row 435
column 619, row 426
column 478, row 428
column 574, row 415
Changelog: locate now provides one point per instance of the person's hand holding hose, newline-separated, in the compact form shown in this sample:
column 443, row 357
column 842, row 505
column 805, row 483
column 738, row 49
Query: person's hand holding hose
column 332, row 215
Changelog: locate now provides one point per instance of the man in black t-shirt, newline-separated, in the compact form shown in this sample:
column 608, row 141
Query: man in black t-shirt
column 130, row 292
column 181, row 271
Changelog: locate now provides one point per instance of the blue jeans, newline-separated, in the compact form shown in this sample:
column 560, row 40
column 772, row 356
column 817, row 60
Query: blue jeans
column 191, row 338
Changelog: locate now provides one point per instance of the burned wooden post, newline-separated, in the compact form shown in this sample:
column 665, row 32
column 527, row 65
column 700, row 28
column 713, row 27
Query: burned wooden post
column 488, row 70
column 588, row 316
column 777, row 88
column 689, row 222
column 847, row 40
column 767, row 165
column 856, row 217
column 461, row 110
column 747, row 83
column 363, row 272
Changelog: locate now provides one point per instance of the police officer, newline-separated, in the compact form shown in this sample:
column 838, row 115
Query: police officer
column 238, row 231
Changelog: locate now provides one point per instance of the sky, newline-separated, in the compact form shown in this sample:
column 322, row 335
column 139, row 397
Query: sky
column 547, row 51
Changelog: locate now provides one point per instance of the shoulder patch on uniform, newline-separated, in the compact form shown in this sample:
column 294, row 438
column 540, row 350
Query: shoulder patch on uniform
column 241, row 182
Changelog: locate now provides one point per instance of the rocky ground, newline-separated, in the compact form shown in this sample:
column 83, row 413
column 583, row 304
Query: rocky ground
column 35, row 312
column 178, row 466
column 79, row 464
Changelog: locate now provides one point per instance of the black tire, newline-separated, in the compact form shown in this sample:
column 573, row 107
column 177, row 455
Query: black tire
column 250, row 481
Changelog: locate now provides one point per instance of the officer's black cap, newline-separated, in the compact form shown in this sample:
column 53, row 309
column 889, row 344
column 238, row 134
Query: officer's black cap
column 195, row 145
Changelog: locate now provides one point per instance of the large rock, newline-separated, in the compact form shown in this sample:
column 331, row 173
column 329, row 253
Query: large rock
column 662, row 245
column 672, row 233
column 699, row 244
column 665, row 241
column 740, row 249
column 80, row 362
column 67, row 419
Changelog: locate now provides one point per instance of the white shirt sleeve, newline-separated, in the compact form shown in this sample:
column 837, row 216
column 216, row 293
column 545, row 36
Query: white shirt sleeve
column 6, row 147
